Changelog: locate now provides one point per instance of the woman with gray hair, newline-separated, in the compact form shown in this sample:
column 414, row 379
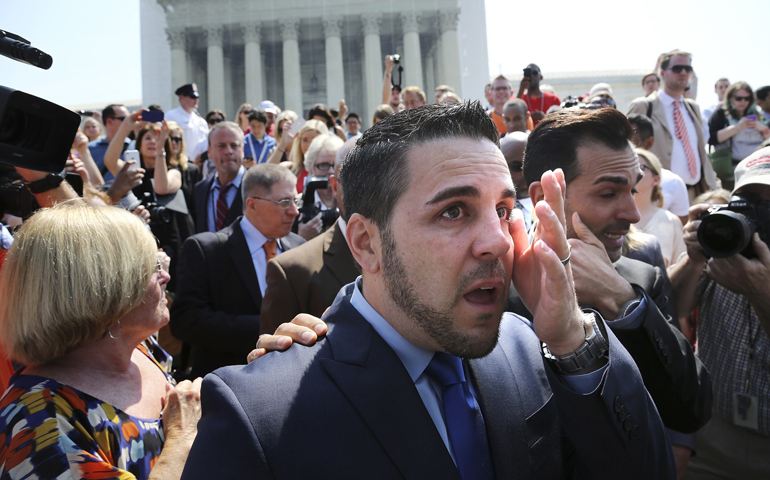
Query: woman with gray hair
column 83, row 292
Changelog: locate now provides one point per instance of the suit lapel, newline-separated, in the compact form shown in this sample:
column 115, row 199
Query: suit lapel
column 659, row 113
column 374, row 380
column 236, row 209
column 498, row 397
column 337, row 256
column 241, row 257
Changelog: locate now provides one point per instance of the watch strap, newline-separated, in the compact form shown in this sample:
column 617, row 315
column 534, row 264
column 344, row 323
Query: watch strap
column 49, row 182
column 594, row 348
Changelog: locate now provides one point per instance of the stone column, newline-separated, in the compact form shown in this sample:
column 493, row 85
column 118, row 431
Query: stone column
column 216, row 67
column 412, row 60
column 450, row 53
column 335, row 78
column 177, row 39
column 252, row 62
column 292, row 76
column 373, row 62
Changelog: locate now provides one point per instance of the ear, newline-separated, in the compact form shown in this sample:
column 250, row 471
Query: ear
column 333, row 182
column 536, row 192
column 649, row 143
column 364, row 241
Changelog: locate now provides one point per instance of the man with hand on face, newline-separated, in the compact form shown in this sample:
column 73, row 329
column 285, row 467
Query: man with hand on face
column 222, row 274
column 410, row 380
column 732, row 294
column 601, row 171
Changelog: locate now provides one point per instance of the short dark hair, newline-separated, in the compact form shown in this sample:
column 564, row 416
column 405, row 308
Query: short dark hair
column 109, row 111
column 322, row 111
column 762, row 92
column 555, row 141
column 259, row 115
column 643, row 125
column 353, row 115
column 155, row 108
column 375, row 173
column 723, row 79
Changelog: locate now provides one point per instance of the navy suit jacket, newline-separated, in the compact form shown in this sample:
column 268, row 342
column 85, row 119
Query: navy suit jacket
column 347, row 408
column 199, row 210
column 218, row 300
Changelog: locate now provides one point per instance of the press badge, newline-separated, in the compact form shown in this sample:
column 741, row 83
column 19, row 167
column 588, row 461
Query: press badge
column 745, row 411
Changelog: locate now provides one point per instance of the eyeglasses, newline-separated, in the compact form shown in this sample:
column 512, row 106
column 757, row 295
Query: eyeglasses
column 213, row 121
column 285, row 203
column 646, row 167
column 681, row 68
column 324, row 167
column 741, row 99
column 501, row 89
column 175, row 139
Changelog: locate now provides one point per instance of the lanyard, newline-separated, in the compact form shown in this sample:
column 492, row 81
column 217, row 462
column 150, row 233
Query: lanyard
column 261, row 153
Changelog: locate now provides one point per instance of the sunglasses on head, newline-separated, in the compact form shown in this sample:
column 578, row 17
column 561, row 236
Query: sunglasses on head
column 741, row 99
column 681, row 68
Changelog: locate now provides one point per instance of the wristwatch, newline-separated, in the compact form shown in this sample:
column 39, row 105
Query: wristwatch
column 49, row 182
column 594, row 348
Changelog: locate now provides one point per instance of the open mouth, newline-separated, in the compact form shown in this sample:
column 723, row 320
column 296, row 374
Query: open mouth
column 484, row 296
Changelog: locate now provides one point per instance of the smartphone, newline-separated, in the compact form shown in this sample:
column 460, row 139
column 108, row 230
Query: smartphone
column 751, row 117
column 528, row 73
column 296, row 125
column 152, row 116
column 129, row 155
column 76, row 182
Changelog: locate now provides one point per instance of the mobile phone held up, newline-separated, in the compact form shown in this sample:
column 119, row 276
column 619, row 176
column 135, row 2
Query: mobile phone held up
column 528, row 73
column 129, row 155
column 152, row 116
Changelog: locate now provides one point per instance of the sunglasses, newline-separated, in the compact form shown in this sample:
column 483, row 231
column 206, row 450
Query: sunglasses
column 681, row 68
column 741, row 99
column 120, row 119
column 175, row 139
column 246, row 112
column 604, row 101
column 213, row 121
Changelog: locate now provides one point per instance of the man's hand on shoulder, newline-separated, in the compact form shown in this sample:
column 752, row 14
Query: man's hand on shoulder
column 304, row 329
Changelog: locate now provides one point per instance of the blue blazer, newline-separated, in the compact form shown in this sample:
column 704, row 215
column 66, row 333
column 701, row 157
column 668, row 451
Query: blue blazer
column 347, row 408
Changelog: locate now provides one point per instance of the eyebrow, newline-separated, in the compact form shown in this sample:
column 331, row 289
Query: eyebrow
column 465, row 191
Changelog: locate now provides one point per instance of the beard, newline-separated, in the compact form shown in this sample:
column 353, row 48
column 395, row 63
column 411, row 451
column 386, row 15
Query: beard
column 440, row 324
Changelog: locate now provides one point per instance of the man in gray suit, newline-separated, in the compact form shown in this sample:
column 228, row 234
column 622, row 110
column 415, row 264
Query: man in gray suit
column 679, row 141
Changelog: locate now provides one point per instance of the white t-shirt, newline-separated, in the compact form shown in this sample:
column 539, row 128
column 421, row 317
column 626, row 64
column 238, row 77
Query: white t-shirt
column 675, row 197
column 667, row 228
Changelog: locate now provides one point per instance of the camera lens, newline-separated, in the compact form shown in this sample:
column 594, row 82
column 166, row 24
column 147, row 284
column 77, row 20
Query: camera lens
column 725, row 233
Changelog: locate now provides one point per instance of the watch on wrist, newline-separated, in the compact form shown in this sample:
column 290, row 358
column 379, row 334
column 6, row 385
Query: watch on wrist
column 49, row 182
column 594, row 348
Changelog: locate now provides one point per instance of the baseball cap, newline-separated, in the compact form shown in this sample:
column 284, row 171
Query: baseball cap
column 753, row 170
column 268, row 107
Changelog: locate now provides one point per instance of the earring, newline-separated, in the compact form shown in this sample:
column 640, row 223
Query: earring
column 109, row 332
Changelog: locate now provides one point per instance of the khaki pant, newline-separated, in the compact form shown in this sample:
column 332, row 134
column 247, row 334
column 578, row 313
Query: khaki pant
column 727, row 452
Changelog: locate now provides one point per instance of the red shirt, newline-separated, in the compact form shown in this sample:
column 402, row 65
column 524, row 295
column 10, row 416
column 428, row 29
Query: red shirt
column 542, row 103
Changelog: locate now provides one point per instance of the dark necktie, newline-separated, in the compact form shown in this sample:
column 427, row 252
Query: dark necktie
column 464, row 423
column 222, row 206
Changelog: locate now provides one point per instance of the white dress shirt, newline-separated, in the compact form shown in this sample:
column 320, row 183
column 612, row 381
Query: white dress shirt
column 194, row 127
column 256, row 242
column 678, row 158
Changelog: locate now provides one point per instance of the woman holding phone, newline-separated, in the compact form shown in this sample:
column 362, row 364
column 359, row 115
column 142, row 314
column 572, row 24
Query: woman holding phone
column 736, row 125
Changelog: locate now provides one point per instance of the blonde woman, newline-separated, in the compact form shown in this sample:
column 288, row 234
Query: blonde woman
column 664, row 225
column 177, row 159
column 92, row 129
column 300, row 143
column 242, row 119
column 83, row 290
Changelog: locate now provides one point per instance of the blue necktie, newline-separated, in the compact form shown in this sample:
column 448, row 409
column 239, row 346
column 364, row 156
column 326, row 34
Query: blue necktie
column 462, row 415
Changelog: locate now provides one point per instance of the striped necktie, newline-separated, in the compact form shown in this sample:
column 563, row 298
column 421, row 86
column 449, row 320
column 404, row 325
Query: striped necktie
column 681, row 134
column 222, row 206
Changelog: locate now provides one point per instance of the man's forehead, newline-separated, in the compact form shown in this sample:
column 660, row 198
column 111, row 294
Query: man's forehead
column 597, row 162
column 680, row 60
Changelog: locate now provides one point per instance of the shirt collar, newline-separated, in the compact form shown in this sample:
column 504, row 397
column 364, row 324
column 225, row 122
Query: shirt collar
column 415, row 359
column 667, row 99
column 236, row 182
column 342, row 225
column 254, row 237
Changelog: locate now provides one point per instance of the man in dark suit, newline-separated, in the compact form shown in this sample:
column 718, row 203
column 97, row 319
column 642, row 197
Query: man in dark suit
column 307, row 279
column 222, row 274
column 211, row 210
column 410, row 381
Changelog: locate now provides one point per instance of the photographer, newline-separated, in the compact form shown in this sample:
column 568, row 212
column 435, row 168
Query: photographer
column 319, row 204
column 733, row 299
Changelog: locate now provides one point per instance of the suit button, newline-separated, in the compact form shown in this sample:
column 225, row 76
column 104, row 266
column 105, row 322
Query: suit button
column 656, row 335
column 618, row 403
column 660, row 343
column 669, row 360
column 665, row 350
column 622, row 414
column 628, row 423
column 634, row 432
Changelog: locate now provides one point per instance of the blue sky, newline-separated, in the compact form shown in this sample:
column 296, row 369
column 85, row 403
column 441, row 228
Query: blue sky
column 96, row 44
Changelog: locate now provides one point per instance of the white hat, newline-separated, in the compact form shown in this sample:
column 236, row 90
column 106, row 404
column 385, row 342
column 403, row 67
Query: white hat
column 268, row 106
column 600, row 87
column 753, row 170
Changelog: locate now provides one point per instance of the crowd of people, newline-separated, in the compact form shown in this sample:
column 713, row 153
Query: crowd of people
column 522, row 287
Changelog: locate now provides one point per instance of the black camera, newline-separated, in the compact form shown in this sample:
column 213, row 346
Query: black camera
column 35, row 133
column 158, row 213
column 309, row 209
column 727, row 229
